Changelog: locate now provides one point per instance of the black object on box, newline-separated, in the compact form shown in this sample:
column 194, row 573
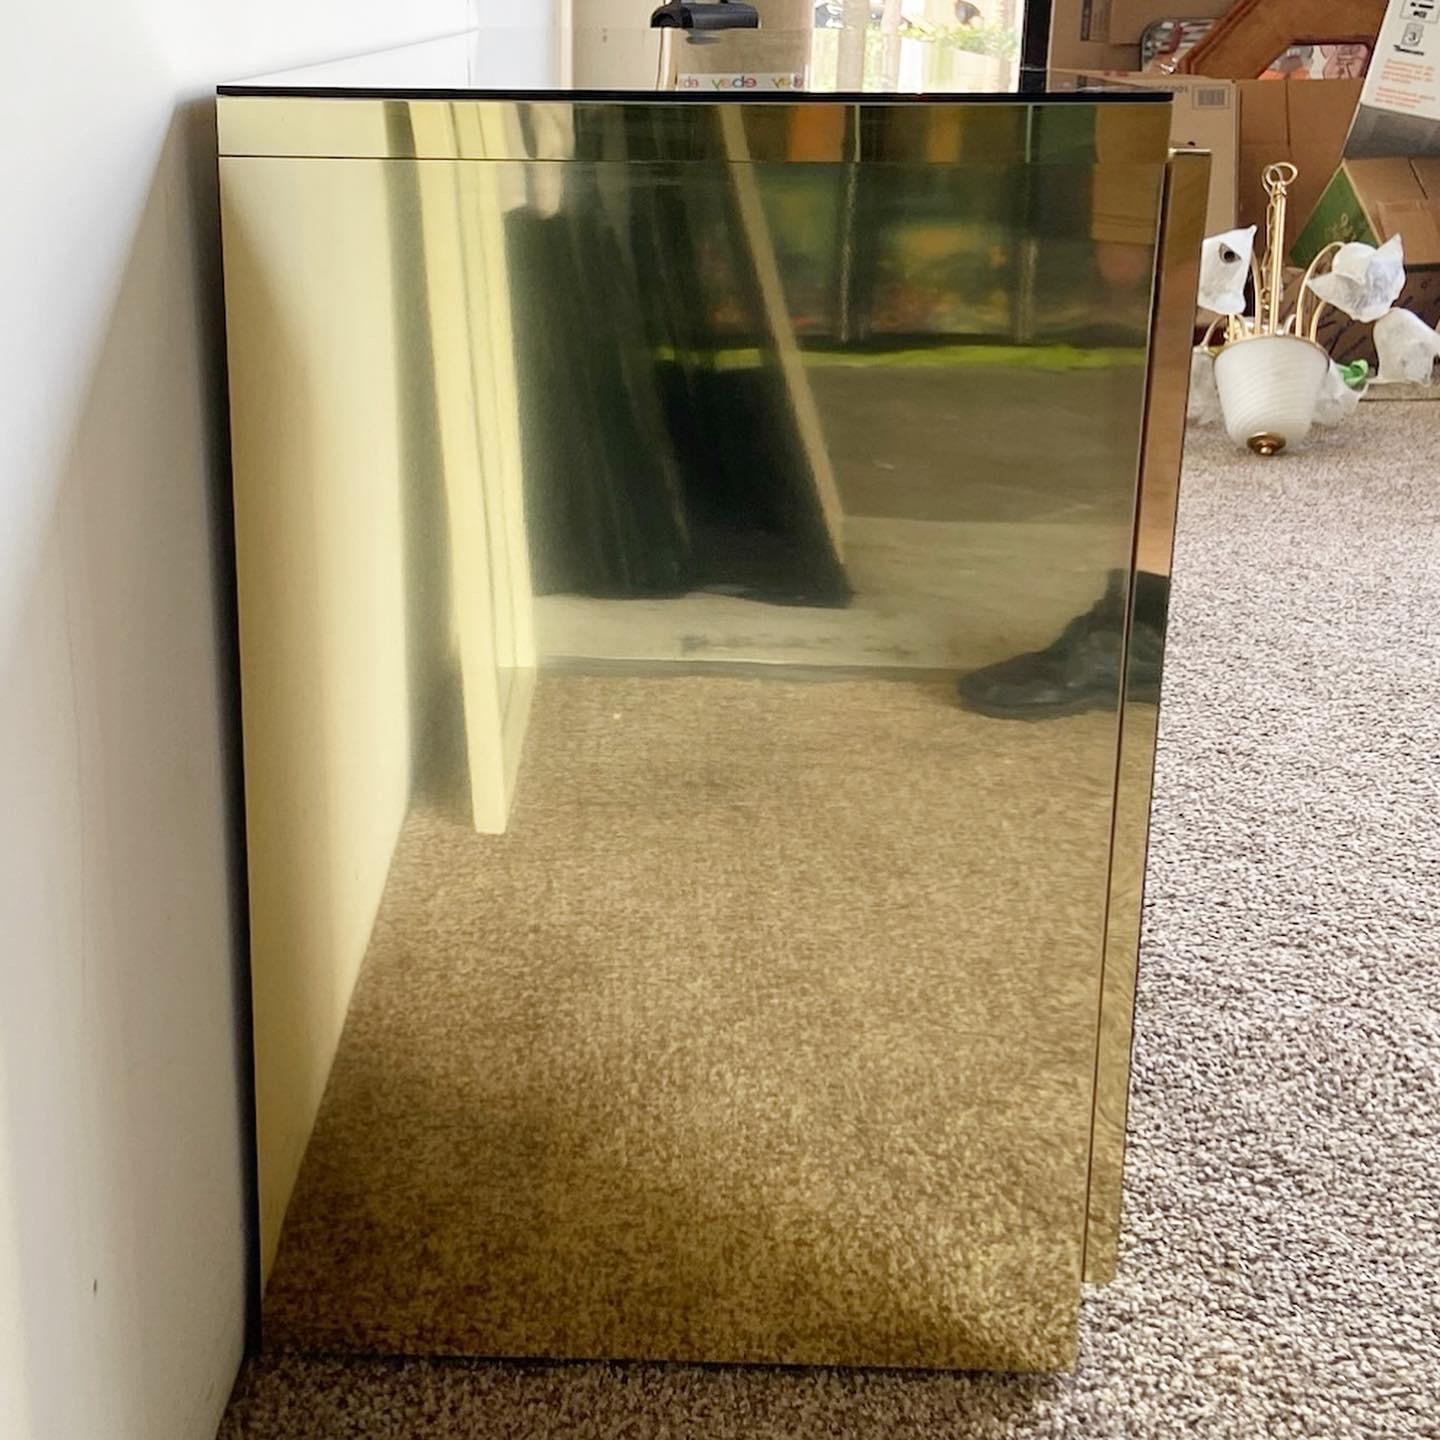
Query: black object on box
column 706, row 15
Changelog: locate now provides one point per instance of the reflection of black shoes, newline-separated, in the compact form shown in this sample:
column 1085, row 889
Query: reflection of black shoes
column 1081, row 669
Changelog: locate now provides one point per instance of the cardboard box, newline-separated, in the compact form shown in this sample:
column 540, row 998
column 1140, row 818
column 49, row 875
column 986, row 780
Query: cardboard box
column 1389, row 183
column 1373, row 199
column 1399, row 110
column 1302, row 121
column 1247, row 125
column 1104, row 35
column 1205, row 116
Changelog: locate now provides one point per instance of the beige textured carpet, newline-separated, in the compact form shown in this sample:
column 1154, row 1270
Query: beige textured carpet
column 1281, row 1265
column 764, row 1033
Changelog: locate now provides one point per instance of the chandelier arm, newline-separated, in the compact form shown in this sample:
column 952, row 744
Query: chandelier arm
column 1331, row 250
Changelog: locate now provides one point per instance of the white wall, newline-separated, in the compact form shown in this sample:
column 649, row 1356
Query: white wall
column 121, row 1206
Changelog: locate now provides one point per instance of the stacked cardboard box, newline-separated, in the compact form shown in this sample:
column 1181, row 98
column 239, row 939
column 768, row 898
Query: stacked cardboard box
column 1245, row 124
column 1367, row 181
column 1206, row 116
column 1389, row 181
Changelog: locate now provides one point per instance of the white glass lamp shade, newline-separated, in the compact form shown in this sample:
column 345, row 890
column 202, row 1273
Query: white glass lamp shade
column 1408, row 348
column 1270, row 388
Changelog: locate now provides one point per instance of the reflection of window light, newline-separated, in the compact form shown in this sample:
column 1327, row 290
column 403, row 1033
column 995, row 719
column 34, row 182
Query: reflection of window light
column 824, row 59
column 923, row 49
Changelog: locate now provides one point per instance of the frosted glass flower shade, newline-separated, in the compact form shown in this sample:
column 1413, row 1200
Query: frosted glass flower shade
column 1408, row 348
column 1204, row 405
column 1338, row 400
column 1269, row 388
column 1224, row 269
column 1364, row 282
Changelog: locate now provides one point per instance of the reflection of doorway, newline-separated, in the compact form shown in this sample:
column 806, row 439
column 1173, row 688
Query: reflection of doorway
column 478, row 439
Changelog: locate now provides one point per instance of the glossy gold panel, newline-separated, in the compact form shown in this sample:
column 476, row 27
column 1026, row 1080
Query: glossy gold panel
column 815, row 131
column 1172, row 338
column 682, row 620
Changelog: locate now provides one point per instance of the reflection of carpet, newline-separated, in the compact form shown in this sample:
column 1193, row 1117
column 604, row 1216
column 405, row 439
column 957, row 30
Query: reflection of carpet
column 931, row 444
column 765, row 1033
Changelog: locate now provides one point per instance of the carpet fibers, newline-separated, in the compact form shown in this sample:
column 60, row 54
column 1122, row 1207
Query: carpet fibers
column 1281, row 1259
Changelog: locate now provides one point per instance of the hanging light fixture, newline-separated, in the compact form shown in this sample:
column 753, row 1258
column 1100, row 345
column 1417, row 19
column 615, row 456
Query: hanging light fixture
column 1269, row 379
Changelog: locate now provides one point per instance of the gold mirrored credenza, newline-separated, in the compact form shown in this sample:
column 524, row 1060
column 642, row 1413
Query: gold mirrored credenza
column 702, row 570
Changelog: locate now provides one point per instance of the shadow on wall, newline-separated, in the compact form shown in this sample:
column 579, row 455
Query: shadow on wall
column 120, row 782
